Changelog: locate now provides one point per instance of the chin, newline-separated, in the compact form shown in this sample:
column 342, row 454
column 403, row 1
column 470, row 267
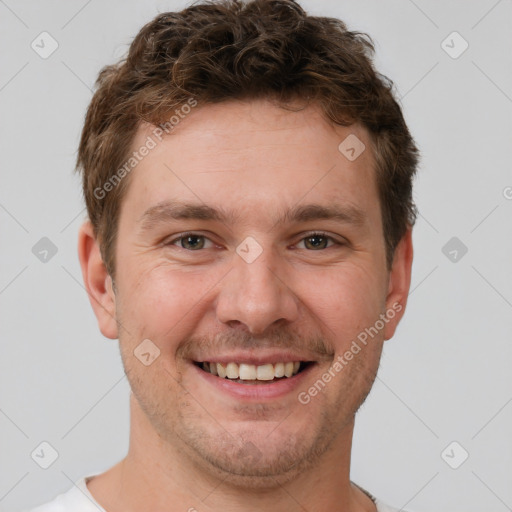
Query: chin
column 259, row 461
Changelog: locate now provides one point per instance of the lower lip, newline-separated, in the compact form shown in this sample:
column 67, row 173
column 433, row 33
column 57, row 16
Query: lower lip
column 277, row 389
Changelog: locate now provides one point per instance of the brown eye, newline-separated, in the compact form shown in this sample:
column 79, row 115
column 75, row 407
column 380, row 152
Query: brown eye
column 318, row 241
column 189, row 241
column 192, row 242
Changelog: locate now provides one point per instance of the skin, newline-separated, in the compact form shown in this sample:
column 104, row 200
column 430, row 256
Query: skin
column 191, row 445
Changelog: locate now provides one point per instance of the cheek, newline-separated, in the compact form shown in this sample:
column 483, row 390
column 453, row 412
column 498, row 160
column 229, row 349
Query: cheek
column 162, row 303
column 167, row 304
column 348, row 301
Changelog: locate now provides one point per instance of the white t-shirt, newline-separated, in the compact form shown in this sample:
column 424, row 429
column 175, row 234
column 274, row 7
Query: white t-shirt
column 79, row 499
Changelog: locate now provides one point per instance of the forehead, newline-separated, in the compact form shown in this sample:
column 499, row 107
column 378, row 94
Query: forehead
column 253, row 156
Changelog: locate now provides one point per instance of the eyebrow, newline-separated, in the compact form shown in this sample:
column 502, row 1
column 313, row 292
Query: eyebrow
column 169, row 211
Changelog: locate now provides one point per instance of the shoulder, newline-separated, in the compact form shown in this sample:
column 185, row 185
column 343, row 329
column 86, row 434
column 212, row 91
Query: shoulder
column 379, row 505
column 67, row 501
column 382, row 507
column 76, row 499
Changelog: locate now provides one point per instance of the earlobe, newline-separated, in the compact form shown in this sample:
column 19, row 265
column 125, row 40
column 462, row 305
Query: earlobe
column 97, row 281
column 399, row 283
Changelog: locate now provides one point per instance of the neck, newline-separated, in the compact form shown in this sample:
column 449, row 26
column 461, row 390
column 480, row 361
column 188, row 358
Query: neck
column 155, row 474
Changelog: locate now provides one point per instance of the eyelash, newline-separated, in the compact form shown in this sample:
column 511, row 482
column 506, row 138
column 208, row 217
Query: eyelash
column 198, row 235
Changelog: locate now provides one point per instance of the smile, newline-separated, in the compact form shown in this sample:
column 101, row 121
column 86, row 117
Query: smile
column 248, row 373
column 255, row 381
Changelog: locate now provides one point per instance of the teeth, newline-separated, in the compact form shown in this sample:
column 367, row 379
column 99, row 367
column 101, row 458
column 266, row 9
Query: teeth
column 232, row 371
column 265, row 372
column 221, row 370
column 279, row 370
column 247, row 371
column 244, row 371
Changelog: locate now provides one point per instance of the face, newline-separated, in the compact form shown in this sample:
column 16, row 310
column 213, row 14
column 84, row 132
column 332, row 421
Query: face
column 249, row 242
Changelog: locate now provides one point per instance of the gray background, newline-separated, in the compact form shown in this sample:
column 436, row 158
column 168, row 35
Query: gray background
column 446, row 374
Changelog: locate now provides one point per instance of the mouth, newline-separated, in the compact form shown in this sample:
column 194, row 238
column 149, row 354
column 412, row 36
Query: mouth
column 255, row 382
column 243, row 373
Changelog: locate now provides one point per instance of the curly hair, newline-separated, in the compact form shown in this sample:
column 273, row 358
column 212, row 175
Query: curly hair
column 218, row 50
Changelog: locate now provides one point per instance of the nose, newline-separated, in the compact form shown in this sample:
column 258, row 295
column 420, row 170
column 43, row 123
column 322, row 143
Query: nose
column 256, row 295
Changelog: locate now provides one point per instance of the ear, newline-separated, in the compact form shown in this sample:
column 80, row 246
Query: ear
column 97, row 281
column 399, row 283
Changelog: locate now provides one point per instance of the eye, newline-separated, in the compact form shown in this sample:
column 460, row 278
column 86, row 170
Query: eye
column 194, row 241
column 190, row 241
column 317, row 241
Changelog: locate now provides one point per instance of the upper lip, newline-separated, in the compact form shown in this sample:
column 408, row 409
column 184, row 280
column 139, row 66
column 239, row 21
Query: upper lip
column 259, row 358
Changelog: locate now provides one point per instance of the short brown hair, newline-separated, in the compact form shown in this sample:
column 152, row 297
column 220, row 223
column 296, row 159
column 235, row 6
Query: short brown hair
column 214, row 51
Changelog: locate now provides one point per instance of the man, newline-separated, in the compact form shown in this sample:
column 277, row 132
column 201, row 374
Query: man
column 247, row 176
